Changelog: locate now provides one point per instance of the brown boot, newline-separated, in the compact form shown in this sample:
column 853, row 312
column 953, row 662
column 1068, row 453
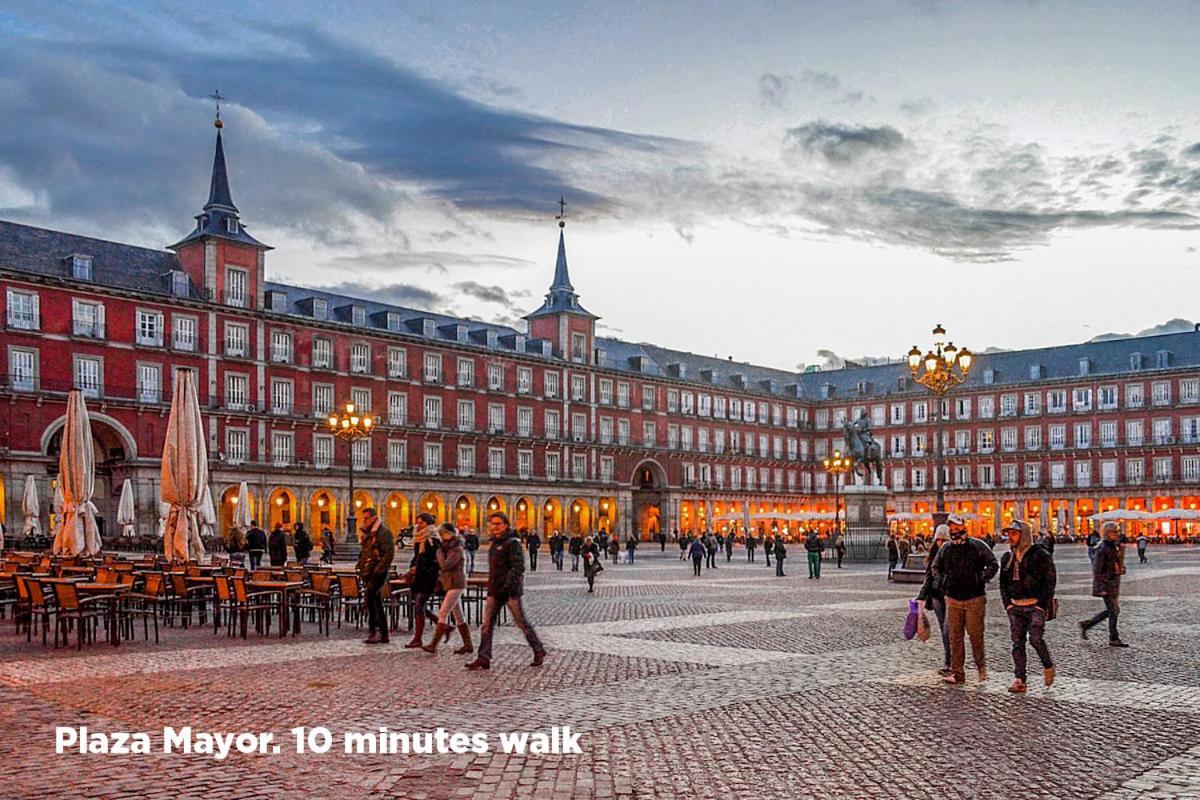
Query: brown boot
column 417, row 634
column 437, row 637
column 464, row 630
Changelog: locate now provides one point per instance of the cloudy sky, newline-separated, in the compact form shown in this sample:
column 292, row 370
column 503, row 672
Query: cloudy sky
column 756, row 180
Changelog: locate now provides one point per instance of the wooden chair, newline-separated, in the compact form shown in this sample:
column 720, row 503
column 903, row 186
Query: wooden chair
column 84, row 613
column 350, row 599
column 147, row 604
column 41, row 606
column 186, row 599
column 21, row 610
column 262, row 603
column 318, row 599
column 223, row 600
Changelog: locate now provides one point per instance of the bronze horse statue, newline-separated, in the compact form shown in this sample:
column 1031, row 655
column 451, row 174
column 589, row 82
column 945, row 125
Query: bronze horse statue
column 862, row 447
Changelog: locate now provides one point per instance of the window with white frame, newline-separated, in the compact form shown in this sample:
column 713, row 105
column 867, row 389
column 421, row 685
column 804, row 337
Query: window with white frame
column 397, row 409
column 397, row 362
column 1008, row 439
column 524, row 380
column 553, row 466
column 433, row 368
column 1081, row 399
column 183, row 336
column 962, row 477
column 87, row 319
column 360, row 451
column 322, row 352
column 751, row 479
column 578, row 347
column 1189, row 390
column 1058, row 437
column 579, row 427
column 237, row 445
column 987, row 441
column 1135, row 395
column 685, row 437
column 23, row 369
column 495, row 377
column 1033, row 475
column 648, row 434
column 235, row 287
column 1083, row 473
column 550, row 383
column 281, row 347
column 553, row 423
column 1160, row 393
column 918, row 479
column 465, row 376
column 282, row 452
column 1135, row 470
column 466, row 415
column 962, row 408
column 749, row 411
column 719, row 406
column 1108, row 434
column 1190, row 468
column 1107, row 399
column 605, row 392
column 920, row 412
column 397, row 455
column 237, row 391
column 236, row 338
column 525, row 422
column 987, row 407
column 149, row 383
column 433, row 458
column 495, row 462
column 987, row 476
column 433, row 412
column 496, row 418
column 1108, row 473
column 1162, row 469
column 687, row 403
column 322, row 451
column 281, row 396
column 1162, row 432
column 1083, row 434
column 361, row 397
column 89, row 375
column 1134, row 432
column 1189, row 430
column 525, row 464
column 1008, row 405
column 702, row 440
column 623, row 432
column 360, row 358
column 606, row 430
column 578, row 388
column 466, row 460
column 672, row 437
column 1056, row 401
column 1008, row 476
column 1033, row 403
column 322, row 399
column 606, row 469
column 23, row 312
column 735, row 478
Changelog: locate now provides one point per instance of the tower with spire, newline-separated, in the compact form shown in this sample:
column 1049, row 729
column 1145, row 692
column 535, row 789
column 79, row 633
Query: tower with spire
column 219, row 255
column 561, row 320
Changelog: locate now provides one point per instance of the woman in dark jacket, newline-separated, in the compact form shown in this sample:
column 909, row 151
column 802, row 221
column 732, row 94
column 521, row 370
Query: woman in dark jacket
column 935, row 599
column 423, row 574
column 697, row 551
column 591, row 562
column 614, row 547
column 277, row 546
column 453, row 579
column 302, row 542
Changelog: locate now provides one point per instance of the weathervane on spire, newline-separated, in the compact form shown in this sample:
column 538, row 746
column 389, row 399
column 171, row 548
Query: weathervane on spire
column 562, row 212
column 216, row 96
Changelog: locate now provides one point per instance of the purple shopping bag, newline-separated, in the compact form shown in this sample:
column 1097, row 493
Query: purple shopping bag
column 910, row 622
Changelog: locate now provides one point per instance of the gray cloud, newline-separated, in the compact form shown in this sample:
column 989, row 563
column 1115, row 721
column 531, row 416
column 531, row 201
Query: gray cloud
column 429, row 260
column 1192, row 151
column 776, row 89
column 401, row 294
column 843, row 144
column 1177, row 325
column 918, row 106
column 489, row 294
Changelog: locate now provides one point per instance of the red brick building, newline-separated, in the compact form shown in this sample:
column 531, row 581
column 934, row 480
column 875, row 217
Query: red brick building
column 559, row 427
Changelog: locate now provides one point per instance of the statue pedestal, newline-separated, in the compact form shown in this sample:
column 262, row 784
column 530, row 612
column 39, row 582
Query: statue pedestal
column 866, row 522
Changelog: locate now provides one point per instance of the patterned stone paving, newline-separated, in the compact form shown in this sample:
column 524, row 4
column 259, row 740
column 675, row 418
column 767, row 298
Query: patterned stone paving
column 736, row 684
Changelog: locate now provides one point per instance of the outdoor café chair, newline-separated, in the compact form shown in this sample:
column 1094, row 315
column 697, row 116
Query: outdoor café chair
column 85, row 614
column 147, row 604
column 186, row 599
column 41, row 606
column 318, row 599
column 262, row 603
column 350, row 600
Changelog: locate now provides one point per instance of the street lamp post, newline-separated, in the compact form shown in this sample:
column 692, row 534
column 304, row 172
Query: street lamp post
column 350, row 427
column 940, row 370
column 837, row 466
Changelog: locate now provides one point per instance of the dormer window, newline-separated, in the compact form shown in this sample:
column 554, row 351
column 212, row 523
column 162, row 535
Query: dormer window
column 231, row 225
column 358, row 315
column 179, row 283
column 1163, row 359
column 320, row 308
column 81, row 267
column 1135, row 361
column 1085, row 366
column 393, row 321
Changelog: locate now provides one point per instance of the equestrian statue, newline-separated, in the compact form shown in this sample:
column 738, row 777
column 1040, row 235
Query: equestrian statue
column 862, row 447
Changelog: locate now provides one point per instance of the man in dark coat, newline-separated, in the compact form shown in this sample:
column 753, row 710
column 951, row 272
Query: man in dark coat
column 729, row 547
column 963, row 569
column 556, row 550
column 534, row 543
column 893, row 551
column 780, row 555
column 751, row 544
column 256, row 544
column 374, row 563
column 277, row 546
column 1027, row 583
column 302, row 542
column 769, row 549
column 1107, row 568
column 813, row 547
column 470, row 545
column 575, row 547
column 506, row 585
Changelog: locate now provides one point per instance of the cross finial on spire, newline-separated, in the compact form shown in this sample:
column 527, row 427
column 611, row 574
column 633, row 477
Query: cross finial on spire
column 217, row 98
column 562, row 212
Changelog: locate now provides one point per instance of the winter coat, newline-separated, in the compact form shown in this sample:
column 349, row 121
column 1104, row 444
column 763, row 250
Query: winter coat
column 697, row 549
column 303, row 543
column 450, row 565
column 471, row 542
column 591, row 559
column 277, row 547
column 964, row 569
column 424, row 566
column 780, row 551
column 506, row 566
column 1106, row 571
column 930, row 589
column 256, row 539
column 327, row 543
column 1035, row 579
column 769, row 547
column 812, row 543
column 378, row 550
column 575, row 545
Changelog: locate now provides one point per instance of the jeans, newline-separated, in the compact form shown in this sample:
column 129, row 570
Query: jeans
column 491, row 611
column 557, row 557
column 1141, row 555
column 450, row 605
column 574, row 562
column 696, row 565
column 1027, row 621
column 711, row 559
column 533, row 554
column 1112, row 609
column 750, row 554
column 373, row 593
column 939, row 611
column 966, row 615
column 814, row 564
column 768, row 555
column 469, row 559
column 840, row 554
column 779, row 567
column 421, row 606
column 256, row 559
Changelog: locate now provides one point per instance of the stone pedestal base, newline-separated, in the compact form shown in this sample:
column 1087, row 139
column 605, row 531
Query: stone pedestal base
column 866, row 523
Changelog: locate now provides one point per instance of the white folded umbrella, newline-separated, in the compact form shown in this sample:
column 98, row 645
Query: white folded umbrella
column 126, row 511
column 77, row 531
column 30, row 507
column 184, row 471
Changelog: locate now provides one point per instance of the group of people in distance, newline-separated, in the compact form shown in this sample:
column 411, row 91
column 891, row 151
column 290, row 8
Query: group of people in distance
column 958, row 570
column 439, row 561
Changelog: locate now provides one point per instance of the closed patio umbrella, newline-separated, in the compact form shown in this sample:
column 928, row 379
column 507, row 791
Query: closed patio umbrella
column 184, row 471
column 77, row 531
column 30, row 507
column 126, row 512
column 243, row 515
column 208, row 514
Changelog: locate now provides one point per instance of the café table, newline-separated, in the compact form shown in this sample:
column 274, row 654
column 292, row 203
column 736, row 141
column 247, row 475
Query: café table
column 113, row 590
column 284, row 589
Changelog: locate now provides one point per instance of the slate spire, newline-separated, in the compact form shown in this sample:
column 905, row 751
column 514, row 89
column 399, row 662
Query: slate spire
column 218, row 192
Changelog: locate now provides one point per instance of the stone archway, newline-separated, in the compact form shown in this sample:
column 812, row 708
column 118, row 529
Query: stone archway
column 649, row 484
column 113, row 451
column 396, row 512
column 524, row 514
column 323, row 512
column 552, row 517
column 282, row 508
column 432, row 503
column 466, row 511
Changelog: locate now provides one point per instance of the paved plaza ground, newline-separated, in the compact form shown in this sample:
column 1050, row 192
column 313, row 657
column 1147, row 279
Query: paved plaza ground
column 736, row 684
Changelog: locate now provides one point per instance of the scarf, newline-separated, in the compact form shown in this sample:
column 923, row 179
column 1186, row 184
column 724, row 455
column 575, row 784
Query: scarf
column 425, row 537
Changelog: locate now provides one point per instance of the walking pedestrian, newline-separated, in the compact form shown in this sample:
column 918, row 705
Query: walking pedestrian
column 728, row 547
column 602, row 542
column 839, row 547
column 662, row 541
column 256, row 544
column 575, row 547
column 1107, row 569
column 470, row 545
column 1047, row 542
column 556, row 550
column 683, row 547
column 328, row 547
column 591, row 562
column 374, row 563
column 277, row 546
column 769, row 549
column 1093, row 541
column 964, row 566
column 903, row 546
column 710, row 550
column 751, row 544
column 935, row 598
column 423, row 574
column 1142, row 543
column 893, row 554
column 697, row 551
column 614, row 548
column 534, row 543
column 813, row 547
column 302, row 542
column 1027, row 581
column 506, row 585
column 452, row 580
column 630, row 546
column 780, row 555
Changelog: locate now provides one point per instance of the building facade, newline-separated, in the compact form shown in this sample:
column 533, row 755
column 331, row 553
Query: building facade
column 558, row 427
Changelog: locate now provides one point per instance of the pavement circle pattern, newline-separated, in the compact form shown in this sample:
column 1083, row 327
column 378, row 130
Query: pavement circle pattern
column 735, row 684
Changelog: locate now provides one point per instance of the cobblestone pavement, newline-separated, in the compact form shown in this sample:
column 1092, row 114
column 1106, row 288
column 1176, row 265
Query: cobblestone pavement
column 735, row 684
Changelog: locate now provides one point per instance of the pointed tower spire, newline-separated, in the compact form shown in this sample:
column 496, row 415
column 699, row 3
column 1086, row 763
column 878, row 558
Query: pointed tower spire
column 218, row 192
